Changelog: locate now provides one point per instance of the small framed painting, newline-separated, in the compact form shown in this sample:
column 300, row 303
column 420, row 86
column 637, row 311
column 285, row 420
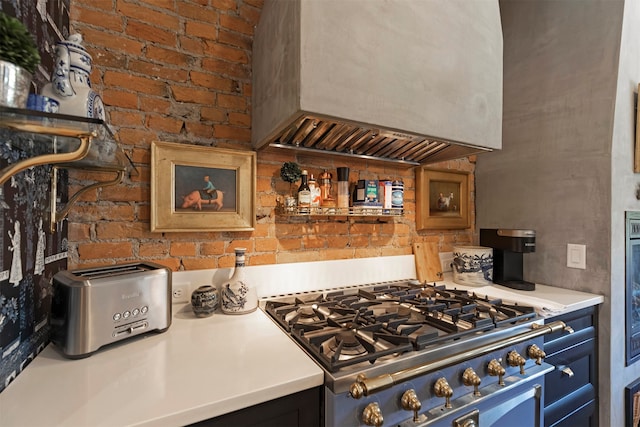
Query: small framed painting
column 196, row 188
column 632, row 398
column 443, row 199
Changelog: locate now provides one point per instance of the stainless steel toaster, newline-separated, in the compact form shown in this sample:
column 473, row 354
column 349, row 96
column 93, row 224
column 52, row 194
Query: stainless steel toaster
column 95, row 307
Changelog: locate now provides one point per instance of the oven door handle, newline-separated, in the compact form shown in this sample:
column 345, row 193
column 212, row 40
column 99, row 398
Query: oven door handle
column 364, row 386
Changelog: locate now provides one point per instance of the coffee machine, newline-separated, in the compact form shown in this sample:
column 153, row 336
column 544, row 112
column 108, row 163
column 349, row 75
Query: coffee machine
column 509, row 245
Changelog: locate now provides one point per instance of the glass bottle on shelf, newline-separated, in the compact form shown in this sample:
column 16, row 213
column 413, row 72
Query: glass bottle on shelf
column 315, row 193
column 304, row 194
column 238, row 297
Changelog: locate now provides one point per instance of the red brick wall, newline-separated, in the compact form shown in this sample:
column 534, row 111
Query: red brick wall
column 180, row 71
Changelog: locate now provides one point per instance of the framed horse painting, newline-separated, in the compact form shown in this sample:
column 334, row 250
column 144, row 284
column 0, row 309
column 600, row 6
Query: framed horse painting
column 197, row 188
column 443, row 199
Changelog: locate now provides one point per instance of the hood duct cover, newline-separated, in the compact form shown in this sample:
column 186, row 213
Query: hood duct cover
column 410, row 81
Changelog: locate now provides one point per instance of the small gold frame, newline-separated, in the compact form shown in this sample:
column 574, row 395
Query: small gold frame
column 177, row 174
column 443, row 199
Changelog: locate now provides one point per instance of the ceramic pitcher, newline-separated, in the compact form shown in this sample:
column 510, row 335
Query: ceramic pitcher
column 70, row 84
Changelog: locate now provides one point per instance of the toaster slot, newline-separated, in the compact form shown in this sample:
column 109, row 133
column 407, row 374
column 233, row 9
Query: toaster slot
column 112, row 271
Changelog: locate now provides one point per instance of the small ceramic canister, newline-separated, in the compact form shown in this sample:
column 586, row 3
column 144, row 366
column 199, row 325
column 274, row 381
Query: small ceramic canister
column 42, row 103
column 205, row 300
column 473, row 265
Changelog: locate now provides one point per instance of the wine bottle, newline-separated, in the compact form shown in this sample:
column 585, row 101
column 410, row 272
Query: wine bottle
column 304, row 194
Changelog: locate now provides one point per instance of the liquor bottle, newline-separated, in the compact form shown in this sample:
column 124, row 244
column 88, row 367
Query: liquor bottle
column 304, row 194
column 238, row 297
column 315, row 192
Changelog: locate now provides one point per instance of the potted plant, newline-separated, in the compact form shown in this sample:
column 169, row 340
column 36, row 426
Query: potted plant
column 19, row 59
column 290, row 172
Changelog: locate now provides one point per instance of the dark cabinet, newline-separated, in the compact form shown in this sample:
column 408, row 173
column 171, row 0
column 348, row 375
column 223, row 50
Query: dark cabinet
column 295, row 410
column 571, row 390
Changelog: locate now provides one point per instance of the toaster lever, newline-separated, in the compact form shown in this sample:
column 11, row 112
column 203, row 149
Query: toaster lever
column 131, row 329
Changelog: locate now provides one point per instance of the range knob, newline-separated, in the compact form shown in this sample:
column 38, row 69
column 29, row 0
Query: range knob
column 537, row 353
column 410, row 402
column 443, row 389
column 372, row 415
column 495, row 369
column 470, row 378
column 514, row 359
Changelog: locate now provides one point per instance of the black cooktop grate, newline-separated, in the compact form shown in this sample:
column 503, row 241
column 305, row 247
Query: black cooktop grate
column 344, row 328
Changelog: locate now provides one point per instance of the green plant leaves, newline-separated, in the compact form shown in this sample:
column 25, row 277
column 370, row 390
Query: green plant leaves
column 16, row 44
column 290, row 172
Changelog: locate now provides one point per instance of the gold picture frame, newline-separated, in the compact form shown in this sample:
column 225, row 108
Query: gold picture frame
column 196, row 188
column 443, row 199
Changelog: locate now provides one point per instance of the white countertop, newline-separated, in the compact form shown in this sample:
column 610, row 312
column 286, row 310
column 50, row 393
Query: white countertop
column 200, row 368
column 547, row 300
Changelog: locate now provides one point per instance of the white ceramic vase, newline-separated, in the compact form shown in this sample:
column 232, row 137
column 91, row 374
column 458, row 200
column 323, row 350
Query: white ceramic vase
column 237, row 296
column 70, row 84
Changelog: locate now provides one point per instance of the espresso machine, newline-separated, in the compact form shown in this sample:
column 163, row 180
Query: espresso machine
column 509, row 245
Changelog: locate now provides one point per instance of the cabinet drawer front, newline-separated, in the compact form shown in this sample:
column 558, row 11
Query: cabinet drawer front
column 584, row 415
column 577, row 320
column 561, row 344
column 574, row 369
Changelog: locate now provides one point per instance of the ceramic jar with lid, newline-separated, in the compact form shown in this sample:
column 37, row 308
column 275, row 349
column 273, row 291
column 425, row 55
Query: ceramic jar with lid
column 70, row 84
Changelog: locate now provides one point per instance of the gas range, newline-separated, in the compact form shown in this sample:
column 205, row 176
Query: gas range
column 377, row 342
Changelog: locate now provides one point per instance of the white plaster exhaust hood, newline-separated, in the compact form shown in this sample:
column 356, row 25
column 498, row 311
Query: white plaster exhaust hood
column 409, row 81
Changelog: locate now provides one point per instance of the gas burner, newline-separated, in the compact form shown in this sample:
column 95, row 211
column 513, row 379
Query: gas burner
column 289, row 313
column 344, row 345
column 348, row 340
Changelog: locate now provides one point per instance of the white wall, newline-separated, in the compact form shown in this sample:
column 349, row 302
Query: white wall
column 623, row 187
column 554, row 174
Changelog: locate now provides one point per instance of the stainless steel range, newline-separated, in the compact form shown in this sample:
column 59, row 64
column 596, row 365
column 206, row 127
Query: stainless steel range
column 411, row 354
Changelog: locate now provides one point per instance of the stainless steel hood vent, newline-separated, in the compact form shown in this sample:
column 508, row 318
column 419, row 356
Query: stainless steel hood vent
column 337, row 137
column 408, row 81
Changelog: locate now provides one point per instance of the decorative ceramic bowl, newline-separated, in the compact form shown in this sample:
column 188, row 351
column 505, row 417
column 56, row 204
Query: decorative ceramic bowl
column 473, row 265
column 205, row 300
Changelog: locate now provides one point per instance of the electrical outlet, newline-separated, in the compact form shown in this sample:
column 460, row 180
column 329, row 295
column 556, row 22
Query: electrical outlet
column 180, row 292
column 446, row 259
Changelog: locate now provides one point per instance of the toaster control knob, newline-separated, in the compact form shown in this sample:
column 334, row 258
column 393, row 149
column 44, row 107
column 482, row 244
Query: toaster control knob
column 372, row 415
column 495, row 369
column 443, row 389
column 514, row 359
